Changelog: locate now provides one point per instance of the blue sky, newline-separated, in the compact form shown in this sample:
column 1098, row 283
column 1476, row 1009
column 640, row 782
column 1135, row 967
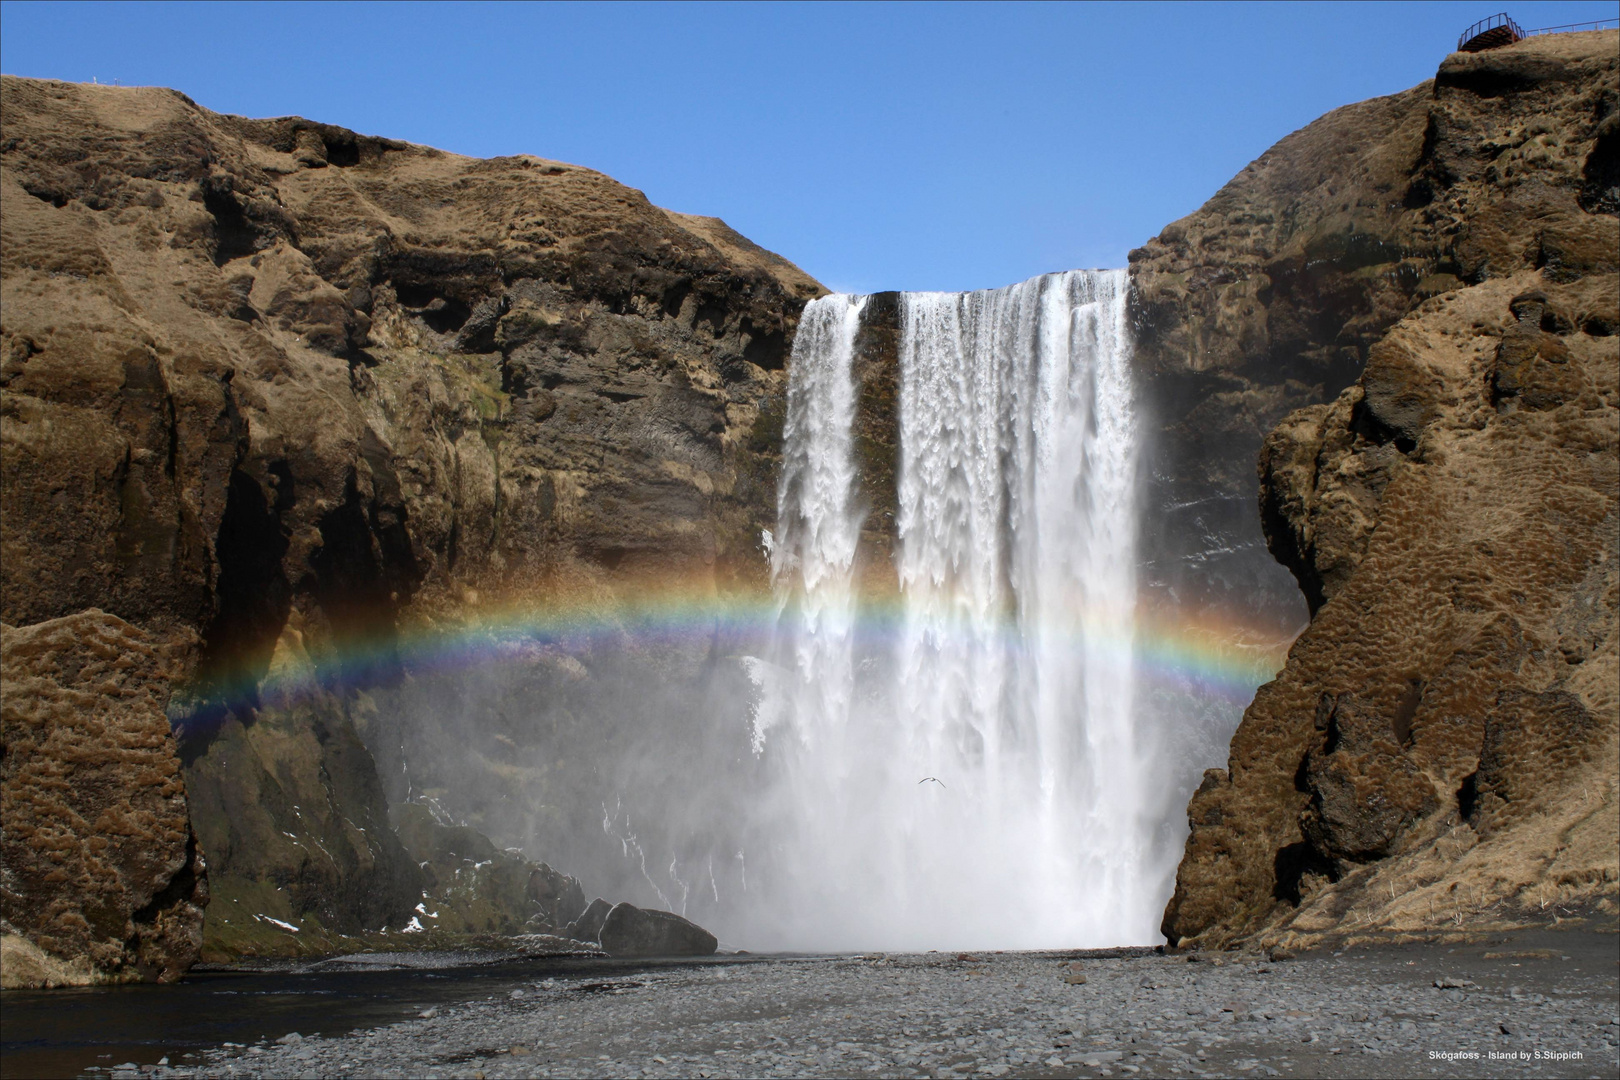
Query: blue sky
column 911, row 146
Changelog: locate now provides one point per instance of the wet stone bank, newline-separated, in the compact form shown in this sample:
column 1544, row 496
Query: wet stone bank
column 1533, row 1006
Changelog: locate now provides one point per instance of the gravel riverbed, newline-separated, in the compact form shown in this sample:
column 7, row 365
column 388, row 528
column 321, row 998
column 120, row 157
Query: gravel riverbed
column 1549, row 1008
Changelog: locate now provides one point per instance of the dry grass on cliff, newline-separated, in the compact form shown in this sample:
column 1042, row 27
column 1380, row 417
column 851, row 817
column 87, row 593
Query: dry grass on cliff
column 1538, row 489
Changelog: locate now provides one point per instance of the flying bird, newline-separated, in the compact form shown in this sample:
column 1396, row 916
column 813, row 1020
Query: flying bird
column 928, row 779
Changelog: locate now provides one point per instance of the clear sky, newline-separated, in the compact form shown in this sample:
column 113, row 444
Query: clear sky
column 912, row 146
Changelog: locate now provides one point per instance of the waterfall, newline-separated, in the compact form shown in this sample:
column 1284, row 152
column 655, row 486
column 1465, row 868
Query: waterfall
column 958, row 765
column 817, row 523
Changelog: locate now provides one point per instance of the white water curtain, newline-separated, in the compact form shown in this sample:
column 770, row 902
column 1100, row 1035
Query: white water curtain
column 963, row 772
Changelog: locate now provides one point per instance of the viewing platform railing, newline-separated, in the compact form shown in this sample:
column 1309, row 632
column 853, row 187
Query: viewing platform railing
column 1595, row 24
column 1500, row 30
column 1491, row 33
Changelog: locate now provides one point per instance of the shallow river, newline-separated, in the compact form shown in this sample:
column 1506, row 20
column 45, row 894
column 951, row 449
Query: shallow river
column 64, row 1032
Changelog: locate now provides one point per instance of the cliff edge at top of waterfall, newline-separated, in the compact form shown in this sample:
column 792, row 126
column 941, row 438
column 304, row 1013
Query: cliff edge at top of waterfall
column 275, row 393
column 1439, row 755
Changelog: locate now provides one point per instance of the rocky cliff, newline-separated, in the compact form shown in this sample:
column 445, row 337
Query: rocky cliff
column 100, row 876
column 1440, row 749
column 280, row 403
column 277, row 395
column 1271, row 296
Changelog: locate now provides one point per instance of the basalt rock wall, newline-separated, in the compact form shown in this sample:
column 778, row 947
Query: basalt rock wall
column 290, row 395
column 1439, row 752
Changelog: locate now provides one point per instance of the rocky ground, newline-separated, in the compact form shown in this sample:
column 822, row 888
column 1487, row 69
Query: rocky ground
column 1538, row 1004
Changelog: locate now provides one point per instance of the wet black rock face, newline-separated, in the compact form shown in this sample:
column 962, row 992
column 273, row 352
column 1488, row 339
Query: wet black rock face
column 631, row 931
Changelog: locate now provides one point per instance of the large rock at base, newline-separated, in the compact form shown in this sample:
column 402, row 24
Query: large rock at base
column 474, row 887
column 101, row 872
column 632, row 931
column 588, row 927
column 559, row 897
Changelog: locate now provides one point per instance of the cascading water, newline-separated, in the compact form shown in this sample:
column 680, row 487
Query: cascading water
column 818, row 524
column 972, row 777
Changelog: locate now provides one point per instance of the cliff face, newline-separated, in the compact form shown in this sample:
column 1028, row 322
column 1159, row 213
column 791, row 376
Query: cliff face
column 1270, row 297
column 272, row 390
column 277, row 400
column 1439, row 751
column 253, row 313
column 100, row 877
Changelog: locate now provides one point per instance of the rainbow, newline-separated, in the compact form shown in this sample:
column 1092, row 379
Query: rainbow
column 1211, row 656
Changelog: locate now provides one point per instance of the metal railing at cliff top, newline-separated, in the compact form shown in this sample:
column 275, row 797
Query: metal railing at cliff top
column 1489, row 33
column 1500, row 29
column 1595, row 24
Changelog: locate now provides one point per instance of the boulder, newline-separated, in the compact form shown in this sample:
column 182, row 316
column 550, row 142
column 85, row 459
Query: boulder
column 559, row 897
column 632, row 931
column 588, row 927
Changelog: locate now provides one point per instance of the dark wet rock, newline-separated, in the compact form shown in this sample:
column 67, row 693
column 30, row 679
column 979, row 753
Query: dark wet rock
column 288, row 807
column 431, row 841
column 470, row 886
column 559, row 897
column 631, row 931
column 588, row 927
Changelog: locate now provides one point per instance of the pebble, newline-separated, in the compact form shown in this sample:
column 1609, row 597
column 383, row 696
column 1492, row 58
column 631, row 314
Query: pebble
column 1373, row 1012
